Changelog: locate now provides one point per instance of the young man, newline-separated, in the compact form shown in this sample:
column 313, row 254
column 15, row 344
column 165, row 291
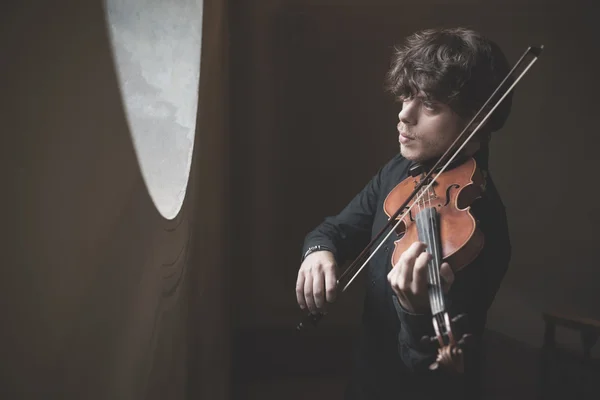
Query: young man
column 441, row 78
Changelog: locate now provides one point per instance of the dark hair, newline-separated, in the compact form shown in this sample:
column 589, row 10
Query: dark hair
column 457, row 66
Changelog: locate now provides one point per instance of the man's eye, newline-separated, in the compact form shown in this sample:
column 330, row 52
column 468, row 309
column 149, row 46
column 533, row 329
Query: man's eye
column 429, row 105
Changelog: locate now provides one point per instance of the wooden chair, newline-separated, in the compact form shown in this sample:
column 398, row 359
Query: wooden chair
column 566, row 374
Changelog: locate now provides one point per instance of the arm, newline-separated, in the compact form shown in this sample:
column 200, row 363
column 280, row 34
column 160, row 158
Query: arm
column 348, row 232
column 334, row 241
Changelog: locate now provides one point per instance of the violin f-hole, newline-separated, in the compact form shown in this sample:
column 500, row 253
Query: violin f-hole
column 454, row 186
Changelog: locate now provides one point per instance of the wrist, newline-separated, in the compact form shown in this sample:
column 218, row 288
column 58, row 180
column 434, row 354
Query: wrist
column 314, row 249
column 412, row 309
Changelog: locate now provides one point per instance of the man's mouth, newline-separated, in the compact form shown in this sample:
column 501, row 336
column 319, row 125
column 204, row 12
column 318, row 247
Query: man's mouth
column 404, row 138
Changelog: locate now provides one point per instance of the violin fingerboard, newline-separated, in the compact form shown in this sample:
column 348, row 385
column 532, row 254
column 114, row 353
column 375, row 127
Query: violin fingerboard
column 428, row 230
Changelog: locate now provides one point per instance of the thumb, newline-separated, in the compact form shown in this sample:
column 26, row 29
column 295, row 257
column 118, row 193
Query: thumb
column 447, row 276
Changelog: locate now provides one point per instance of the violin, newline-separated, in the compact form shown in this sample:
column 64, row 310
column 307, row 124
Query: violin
column 432, row 205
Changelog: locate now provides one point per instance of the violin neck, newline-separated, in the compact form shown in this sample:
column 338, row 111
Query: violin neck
column 428, row 229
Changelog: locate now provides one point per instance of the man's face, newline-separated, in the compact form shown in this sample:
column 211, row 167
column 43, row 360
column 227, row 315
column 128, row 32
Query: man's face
column 426, row 128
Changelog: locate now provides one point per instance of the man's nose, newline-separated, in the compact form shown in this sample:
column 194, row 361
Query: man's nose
column 409, row 113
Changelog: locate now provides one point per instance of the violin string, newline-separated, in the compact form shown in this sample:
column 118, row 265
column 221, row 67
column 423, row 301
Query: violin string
column 432, row 263
column 442, row 169
column 442, row 325
column 421, row 200
column 425, row 206
column 425, row 230
column 427, row 240
column 438, row 257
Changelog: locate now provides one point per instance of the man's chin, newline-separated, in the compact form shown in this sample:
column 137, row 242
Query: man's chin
column 410, row 155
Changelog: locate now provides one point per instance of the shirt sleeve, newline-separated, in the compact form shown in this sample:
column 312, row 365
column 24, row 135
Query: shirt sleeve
column 349, row 232
column 472, row 293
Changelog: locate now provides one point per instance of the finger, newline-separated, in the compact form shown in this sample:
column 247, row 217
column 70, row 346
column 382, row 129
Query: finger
column 393, row 278
column 416, row 248
column 300, row 291
column 407, row 263
column 319, row 289
column 308, row 294
column 330, row 284
column 447, row 275
column 420, row 270
column 410, row 255
column 403, row 299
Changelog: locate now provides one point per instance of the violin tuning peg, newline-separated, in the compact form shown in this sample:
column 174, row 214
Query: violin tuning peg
column 465, row 339
column 459, row 318
column 428, row 340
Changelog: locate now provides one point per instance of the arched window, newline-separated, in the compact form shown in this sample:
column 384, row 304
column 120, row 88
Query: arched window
column 156, row 46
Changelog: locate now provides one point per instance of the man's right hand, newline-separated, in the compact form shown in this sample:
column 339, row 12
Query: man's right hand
column 317, row 281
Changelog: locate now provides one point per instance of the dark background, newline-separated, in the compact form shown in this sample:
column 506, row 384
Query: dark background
column 102, row 298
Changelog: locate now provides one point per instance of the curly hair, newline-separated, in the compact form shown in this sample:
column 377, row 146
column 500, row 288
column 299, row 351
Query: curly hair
column 457, row 66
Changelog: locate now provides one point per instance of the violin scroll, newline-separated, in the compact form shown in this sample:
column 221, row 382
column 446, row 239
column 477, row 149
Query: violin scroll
column 450, row 352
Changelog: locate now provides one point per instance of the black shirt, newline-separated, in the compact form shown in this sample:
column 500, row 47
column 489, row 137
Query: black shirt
column 390, row 359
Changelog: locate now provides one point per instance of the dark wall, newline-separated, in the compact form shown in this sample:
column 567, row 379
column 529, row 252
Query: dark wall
column 312, row 125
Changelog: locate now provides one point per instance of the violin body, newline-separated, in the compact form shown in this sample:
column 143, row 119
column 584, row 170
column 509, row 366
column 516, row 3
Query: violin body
column 451, row 195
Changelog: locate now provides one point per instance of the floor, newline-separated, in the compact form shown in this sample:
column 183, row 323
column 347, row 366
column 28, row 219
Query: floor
column 513, row 372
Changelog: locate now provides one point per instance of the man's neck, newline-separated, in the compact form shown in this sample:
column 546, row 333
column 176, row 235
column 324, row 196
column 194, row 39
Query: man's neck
column 470, row 150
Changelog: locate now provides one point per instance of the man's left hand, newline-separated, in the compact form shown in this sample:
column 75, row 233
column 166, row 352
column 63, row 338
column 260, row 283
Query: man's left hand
column 408, row 278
